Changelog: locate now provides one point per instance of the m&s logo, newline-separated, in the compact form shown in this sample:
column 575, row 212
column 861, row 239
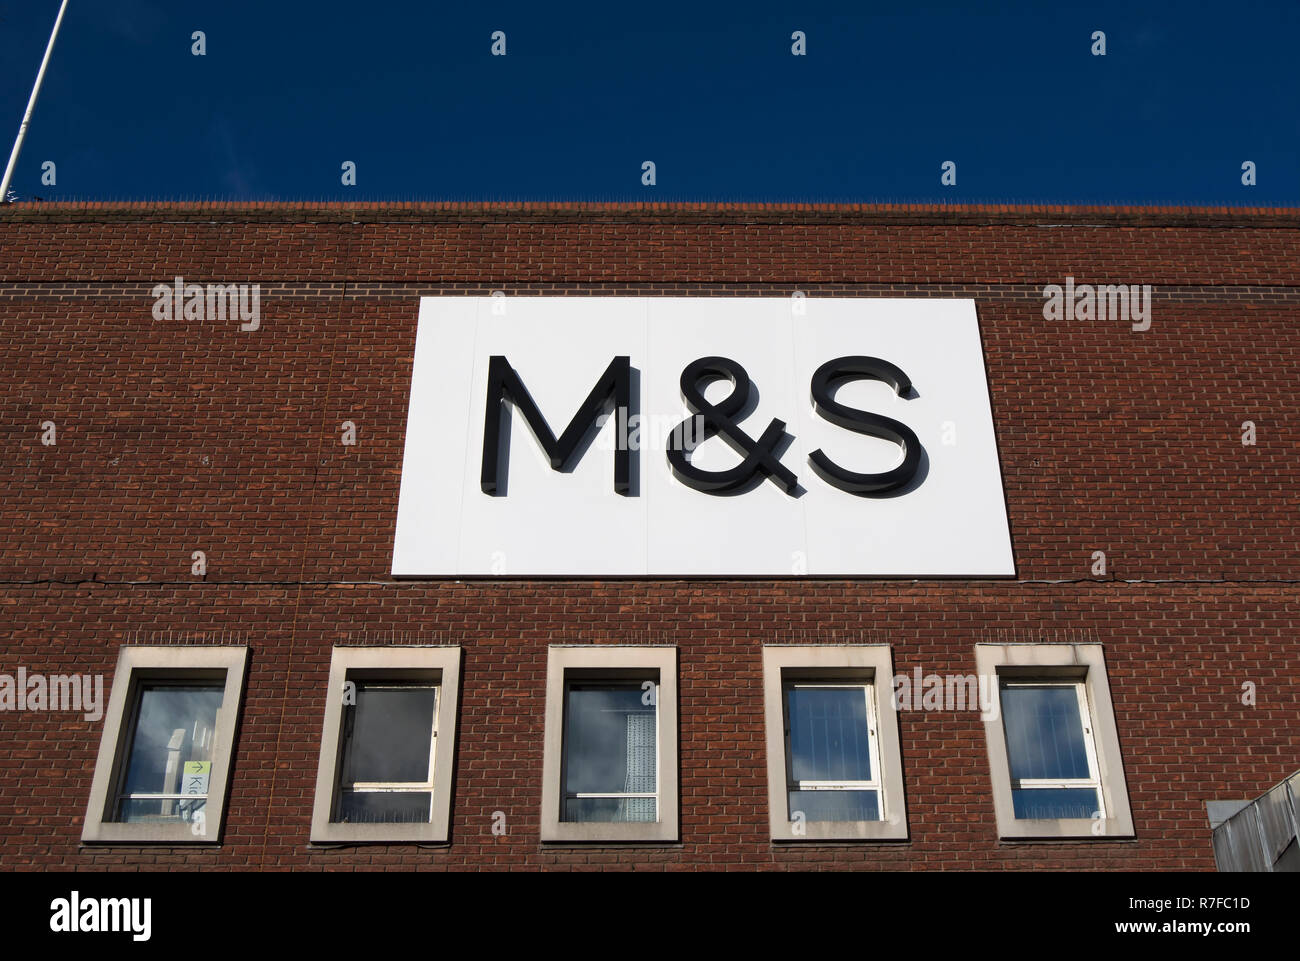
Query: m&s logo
column 721, row 419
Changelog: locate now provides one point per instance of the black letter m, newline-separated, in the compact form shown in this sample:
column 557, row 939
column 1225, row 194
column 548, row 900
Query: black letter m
column 504, row 383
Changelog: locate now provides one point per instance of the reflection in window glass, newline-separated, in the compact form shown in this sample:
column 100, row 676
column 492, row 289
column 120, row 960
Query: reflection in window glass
column 386, row 774
column 1055, row 802
column 387, row 807
column 1047, row 751
column 170, row 760
column 828, row 734
column 829, row 753
column 836, row 805
column 610, row 753
column 1044, row 732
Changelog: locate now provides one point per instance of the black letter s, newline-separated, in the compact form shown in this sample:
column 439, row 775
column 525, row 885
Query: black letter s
column 830, row 375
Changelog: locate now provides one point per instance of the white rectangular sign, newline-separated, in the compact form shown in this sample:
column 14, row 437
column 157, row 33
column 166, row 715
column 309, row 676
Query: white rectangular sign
column 700, row 436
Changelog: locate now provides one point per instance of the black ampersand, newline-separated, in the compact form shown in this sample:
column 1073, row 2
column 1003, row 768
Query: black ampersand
column 759, row 456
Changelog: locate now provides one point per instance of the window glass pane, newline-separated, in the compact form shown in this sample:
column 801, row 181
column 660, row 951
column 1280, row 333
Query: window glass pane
column 171, row 750
column 828, row 734
column 384, row 807
column 610, row 809
column 140, row 810
column 388, row 734
column 1044, row 732
column 836, row 805
column 1055, row 802
column 609, row 748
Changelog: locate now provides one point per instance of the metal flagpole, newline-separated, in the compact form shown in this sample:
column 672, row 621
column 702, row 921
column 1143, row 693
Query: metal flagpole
column 31, row 105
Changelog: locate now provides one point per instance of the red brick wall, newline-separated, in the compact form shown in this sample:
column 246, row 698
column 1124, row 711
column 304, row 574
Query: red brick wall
column 177, row 436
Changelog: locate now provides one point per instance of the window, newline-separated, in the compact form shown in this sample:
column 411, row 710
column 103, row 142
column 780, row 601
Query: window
column 169, row 764
column 1050, row 750
column 610, row 764
column 1053, row 748
column 834, row 768
column 831, row 752
column 389, row 735
column 610, row 752
column 165, row 752
column 387, row 745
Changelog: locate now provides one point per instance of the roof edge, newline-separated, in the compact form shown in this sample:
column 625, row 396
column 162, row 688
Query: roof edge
column 665, row 212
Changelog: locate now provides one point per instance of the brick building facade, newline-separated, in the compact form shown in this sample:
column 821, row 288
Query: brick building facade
column 176, row 436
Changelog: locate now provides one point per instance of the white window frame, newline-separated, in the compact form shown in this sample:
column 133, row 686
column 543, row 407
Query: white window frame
column 866, row 666
column 1093, row 780
column 610, row 663
column 180, row 665
column 564, row 748
column 437, row 667
column 868, row 690
column 1084, row 667
column 397, row 787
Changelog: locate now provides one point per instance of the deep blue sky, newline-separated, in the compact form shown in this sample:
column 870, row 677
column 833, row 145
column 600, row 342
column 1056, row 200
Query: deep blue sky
column 710, row 93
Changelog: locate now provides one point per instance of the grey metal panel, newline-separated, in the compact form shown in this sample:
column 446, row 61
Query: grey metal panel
column 1236, row 843
column 1220, row 811
column 1263, row 835
column 1290, row 859
column 1276, row 828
